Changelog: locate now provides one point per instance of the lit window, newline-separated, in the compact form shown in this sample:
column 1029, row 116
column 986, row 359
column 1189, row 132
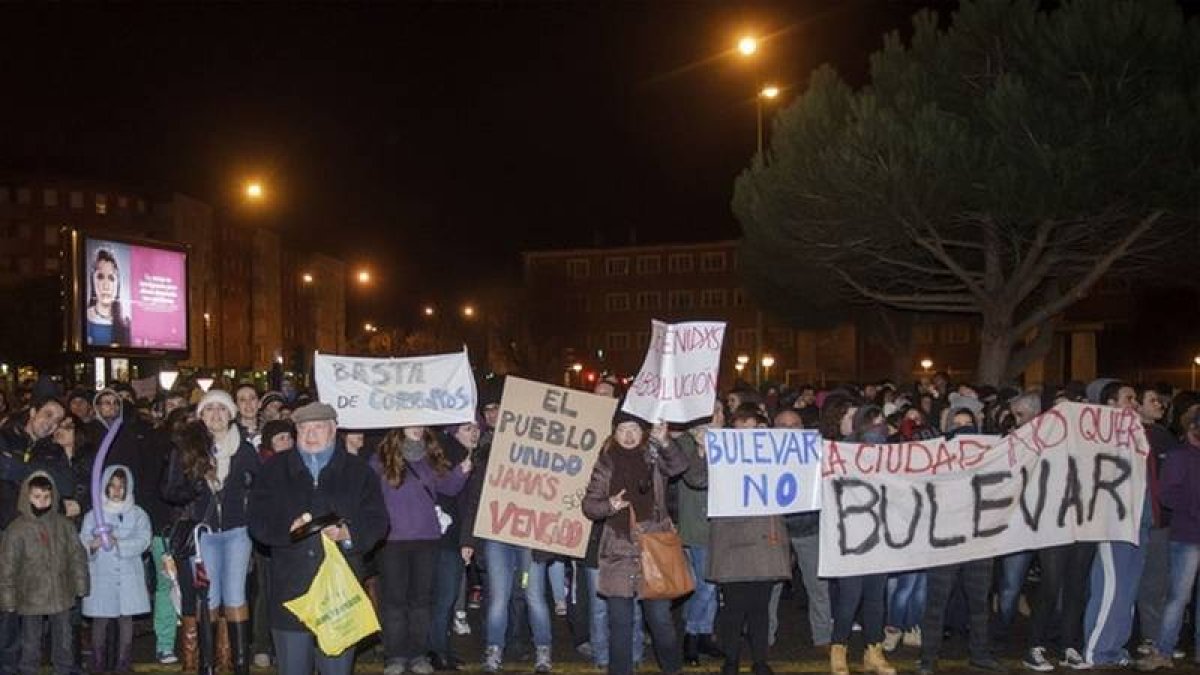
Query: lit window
column 649, row 264
column 680, row 299
column 76, row 199
column 24, row 196
column 616, row 267
column 50, row 198
column 101, row 204
column 578, row 268
column 616, row 302
column 712, row 261
column 679, row 263
column 713, row 297
column 648, row 300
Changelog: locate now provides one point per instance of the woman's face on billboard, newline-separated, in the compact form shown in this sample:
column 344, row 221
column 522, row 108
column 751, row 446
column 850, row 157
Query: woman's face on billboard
column 104, row 281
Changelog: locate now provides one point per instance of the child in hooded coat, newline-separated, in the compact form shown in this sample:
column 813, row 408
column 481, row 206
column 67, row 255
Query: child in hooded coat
column 118, row 576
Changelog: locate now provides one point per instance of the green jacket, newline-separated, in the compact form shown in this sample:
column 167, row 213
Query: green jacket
column 693, row 500
column 43, row 566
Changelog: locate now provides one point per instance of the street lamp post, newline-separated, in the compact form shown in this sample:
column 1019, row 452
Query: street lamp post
column 767, row 362
column 1195, row 362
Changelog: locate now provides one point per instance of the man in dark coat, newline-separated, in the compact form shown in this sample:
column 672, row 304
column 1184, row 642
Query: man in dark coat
column 315, row 480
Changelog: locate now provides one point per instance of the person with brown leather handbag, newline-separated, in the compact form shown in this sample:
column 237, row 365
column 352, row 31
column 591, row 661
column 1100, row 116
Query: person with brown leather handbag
column 641, row 556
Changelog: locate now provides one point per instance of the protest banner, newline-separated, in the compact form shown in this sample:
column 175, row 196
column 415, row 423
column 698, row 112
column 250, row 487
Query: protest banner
column 370, row 393
column 1075, row 473
column 761, row 472
column 678, row 379
column 545, row 446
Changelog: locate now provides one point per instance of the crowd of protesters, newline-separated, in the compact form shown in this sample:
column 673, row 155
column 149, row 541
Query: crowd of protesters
column 202, row 494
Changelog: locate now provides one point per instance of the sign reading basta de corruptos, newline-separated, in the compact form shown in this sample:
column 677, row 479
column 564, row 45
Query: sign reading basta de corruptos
column 371, row 393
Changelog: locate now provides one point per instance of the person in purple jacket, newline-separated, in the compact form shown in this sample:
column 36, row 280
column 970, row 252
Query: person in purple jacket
column 1180, row 476
column 412, row 470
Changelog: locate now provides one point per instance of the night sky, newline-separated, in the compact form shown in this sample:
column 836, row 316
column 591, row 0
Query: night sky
column 432, row 142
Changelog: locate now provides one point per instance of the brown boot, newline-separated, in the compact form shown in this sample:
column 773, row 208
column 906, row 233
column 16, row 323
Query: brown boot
column 189, row 641
column 874, row 661
column 837, row 660
column 224, row 650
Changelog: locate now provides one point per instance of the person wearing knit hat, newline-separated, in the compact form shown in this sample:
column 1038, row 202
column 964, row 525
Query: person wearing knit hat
column 271, row 405
column 211, row 476
column 217, row 397
column 630, row 479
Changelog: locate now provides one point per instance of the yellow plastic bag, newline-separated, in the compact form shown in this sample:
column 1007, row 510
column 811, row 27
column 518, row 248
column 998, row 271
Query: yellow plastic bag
column 335, row 608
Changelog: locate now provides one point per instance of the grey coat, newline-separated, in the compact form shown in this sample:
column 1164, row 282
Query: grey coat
column 620, row 555
column 747, row 548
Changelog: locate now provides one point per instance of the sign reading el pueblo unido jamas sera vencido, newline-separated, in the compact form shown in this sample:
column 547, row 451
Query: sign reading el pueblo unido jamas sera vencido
column 545, row 445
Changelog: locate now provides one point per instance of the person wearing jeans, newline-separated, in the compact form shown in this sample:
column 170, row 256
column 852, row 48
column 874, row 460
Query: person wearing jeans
column 627, row 492
column 599, row 626
column 1180, row 476
column 906, row 606
column 976, row 583
column 458, row 442
column 1013, row 568
column 211, row 473
column 509, row 565
column 700, row 608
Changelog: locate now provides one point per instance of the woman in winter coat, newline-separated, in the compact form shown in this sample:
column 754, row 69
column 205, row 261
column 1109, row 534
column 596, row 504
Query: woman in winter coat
column 118, row 575
column 210, row 474
column 413, row 470
column 746, row 556
column 631, row 473
column 857, row 425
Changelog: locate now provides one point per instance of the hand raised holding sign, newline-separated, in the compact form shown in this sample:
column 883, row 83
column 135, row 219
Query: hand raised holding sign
column 465, row 465
column 659, row 433
column 617, row 501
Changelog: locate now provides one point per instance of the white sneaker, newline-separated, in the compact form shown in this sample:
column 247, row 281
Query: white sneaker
column 912, row 637
column 541, row 659
column 891, row 638
column 262, row 660
column 493, row 658
column 1036, row 660
column 460, row 626
column 560, row 608
column 1072, row 659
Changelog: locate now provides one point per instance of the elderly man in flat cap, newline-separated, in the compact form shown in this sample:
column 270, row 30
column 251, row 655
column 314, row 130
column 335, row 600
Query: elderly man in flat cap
column 318, row 481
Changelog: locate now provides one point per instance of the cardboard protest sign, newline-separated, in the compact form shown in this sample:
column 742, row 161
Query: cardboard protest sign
column 1075, row 473
column 678, row 379
column 380, row 393
column 545, row 446
column 761, row 472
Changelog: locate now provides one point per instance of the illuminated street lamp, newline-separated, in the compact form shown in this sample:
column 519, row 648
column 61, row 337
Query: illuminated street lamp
column 577, row 367
column 768, row 92
column 468, row 311
column 739, row 367
column 254, row 191
column 364, row 276
column 767, row 362
column 370, row 327
column 747, row 46
column 428, row 310
column 166, row 379
column 307, row 278
column 926, row 364
column 1195, row 362
column 743, row 359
